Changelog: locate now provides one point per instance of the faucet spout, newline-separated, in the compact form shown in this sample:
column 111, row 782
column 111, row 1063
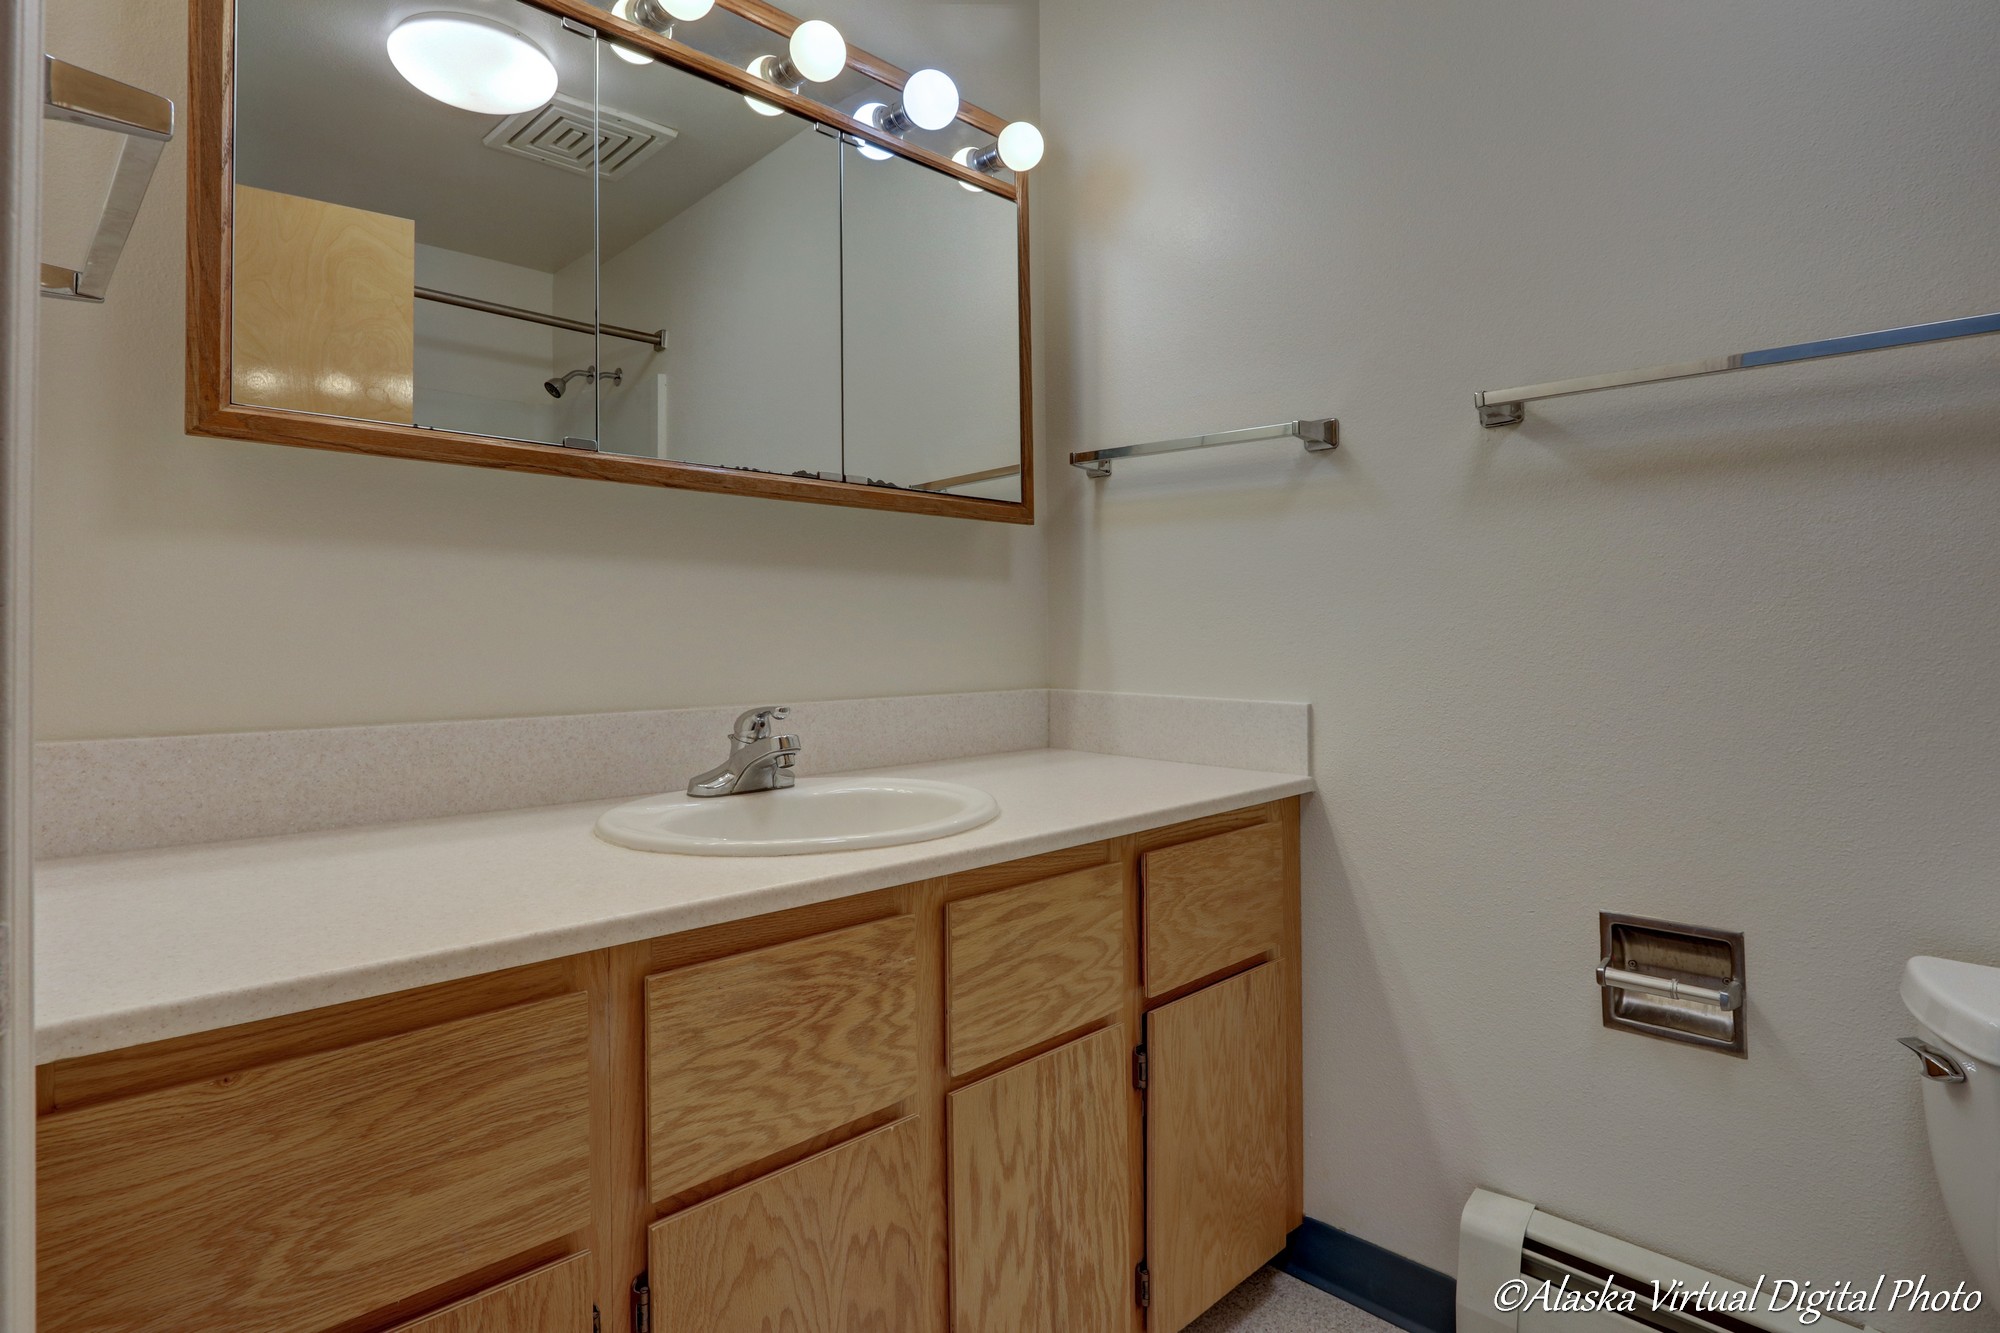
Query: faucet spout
column 756, row 763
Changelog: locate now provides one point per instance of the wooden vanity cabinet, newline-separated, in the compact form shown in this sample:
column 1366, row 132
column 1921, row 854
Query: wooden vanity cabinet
column 1059, row 1095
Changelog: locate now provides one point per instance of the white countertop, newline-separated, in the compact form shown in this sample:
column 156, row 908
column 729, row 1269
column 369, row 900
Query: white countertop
column 142, row 946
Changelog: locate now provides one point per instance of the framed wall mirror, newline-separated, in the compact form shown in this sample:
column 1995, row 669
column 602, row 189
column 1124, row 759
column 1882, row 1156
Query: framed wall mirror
column 543, row 235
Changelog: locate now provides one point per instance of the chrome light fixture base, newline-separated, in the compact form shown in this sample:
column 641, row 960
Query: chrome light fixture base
column 780, row 71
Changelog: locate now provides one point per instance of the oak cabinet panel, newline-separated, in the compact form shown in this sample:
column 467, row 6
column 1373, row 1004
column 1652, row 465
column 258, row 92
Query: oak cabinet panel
column 349, row 1168
column 1218, row 1141
column 839, row 1243
column 1213, row 903
column 1040, row 1164
column 552, row 1299
column 325, row 308
column 1028, row 964
column 751, row 1055
column 293, row 1196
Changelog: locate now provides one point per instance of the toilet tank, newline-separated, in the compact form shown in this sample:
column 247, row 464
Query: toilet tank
column 1957, row 1006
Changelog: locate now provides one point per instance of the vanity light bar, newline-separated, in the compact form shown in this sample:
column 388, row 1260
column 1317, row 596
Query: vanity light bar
column 817, row 53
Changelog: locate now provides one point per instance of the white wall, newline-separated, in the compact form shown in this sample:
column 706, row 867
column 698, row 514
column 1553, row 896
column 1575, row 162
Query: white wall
column 202, row 585
column 1722, row 652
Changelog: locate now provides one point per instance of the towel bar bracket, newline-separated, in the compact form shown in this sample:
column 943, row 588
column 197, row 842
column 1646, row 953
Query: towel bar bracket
column 146, row 120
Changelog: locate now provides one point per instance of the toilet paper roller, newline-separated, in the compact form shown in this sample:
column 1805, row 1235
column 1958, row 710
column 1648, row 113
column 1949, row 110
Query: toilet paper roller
column 1729, row 996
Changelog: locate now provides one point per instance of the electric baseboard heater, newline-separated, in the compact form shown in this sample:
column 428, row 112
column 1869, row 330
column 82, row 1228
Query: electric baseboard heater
column 1508, row 1250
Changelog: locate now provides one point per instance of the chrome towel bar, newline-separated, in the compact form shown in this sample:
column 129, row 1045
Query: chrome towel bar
column 80, row 97
column 1730, row 996
column 1504, row 407
column 1319, row 435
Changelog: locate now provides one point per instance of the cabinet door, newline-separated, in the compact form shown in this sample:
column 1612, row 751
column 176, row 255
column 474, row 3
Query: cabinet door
column 301, row 1195
column 1218, row 1142
column 1030, row 963
column 751, row 1055
column 839, row 1243
column 1214, row 903
column 553, row 1299
column 325, row 308
column 1039, row 1170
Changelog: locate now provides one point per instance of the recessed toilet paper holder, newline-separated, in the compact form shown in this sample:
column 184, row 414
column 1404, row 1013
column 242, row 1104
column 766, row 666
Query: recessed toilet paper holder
column 1672, row 981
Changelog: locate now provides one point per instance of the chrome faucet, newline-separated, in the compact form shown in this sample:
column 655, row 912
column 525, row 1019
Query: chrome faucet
column 758, row 759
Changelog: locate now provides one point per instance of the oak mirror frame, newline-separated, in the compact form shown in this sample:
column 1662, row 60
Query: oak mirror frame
column 212, row 406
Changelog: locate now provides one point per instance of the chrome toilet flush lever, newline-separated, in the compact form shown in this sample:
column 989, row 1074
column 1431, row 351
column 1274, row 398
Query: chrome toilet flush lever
column 759, row 760
column 1938, row 1066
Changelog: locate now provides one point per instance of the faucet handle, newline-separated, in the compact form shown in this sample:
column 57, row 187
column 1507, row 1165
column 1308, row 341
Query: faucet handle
column 755, row 725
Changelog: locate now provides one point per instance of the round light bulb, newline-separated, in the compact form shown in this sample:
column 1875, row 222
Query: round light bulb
column 866, row 114
column 631, row 56
column 964, row 158
column 758, row 104
column 818, row 50
column 687, row 11
column 472, row 63
column 1021, row 146
column 930, row 99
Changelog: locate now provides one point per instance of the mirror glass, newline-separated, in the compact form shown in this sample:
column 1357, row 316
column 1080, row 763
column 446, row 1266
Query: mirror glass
column 365, row 208
column 931, row 326
column 727, row 236
column 506, row 228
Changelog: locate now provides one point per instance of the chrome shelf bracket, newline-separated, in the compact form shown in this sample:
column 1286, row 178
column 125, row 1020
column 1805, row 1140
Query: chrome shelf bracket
column 79, row 97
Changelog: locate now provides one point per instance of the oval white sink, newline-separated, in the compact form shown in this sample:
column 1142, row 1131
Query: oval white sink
column 817, row 815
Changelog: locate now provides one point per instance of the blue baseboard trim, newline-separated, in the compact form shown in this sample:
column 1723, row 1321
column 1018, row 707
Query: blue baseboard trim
column 1385, row 1284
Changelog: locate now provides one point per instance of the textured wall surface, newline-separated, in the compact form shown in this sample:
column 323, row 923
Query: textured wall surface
column 188, row 585
column 1720, row 652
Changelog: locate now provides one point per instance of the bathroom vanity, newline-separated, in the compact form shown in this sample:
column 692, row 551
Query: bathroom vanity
column 1055, row 1092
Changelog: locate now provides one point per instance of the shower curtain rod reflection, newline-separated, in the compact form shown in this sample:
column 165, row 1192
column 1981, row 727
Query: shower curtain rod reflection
column 657, row 341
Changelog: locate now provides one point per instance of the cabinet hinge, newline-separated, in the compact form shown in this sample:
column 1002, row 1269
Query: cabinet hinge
column 1140, row 1068
column 1142, row 1286
column 642, row 1305
column 576, row 29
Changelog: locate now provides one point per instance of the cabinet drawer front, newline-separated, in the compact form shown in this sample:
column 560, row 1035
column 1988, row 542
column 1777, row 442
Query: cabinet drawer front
column 296, row 1195
column 1218, row 1141
column 839, row 1243
column 1030, row 963
column 751, row 1055
column 1213, row 903
column 555, row 1299
column 1040, row 1165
